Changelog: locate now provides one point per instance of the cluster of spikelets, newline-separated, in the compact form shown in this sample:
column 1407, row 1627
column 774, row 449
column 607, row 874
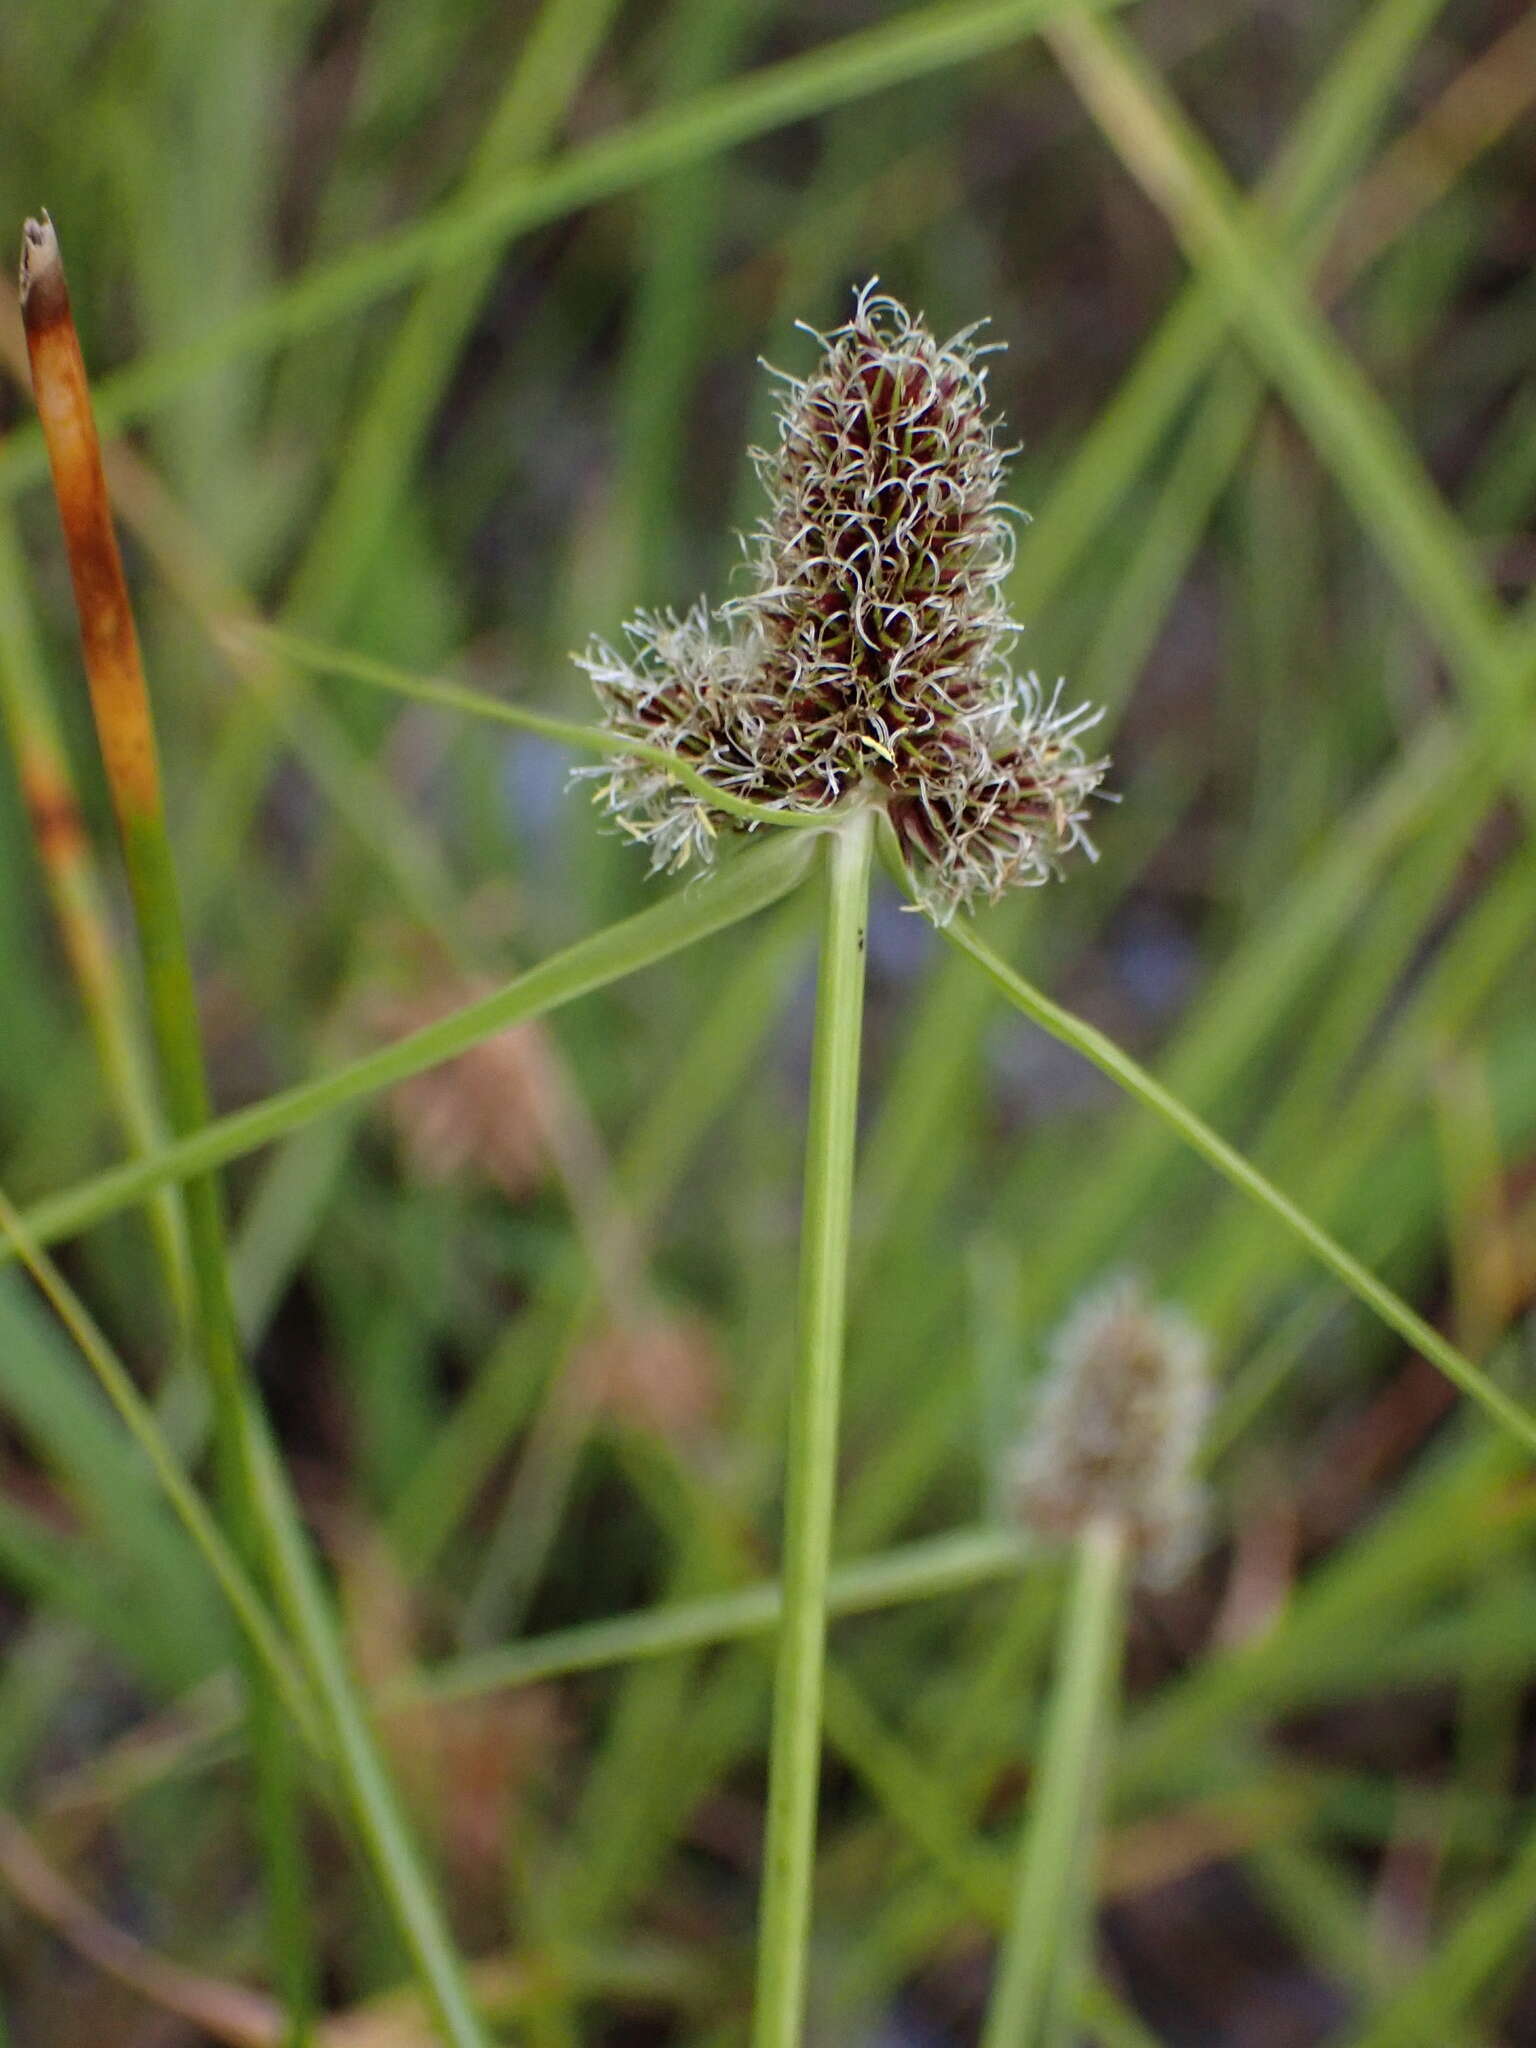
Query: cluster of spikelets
column 1115, row 1427
column 871, row 659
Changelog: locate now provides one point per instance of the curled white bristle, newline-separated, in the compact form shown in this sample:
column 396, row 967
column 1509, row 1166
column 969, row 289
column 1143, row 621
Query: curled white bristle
column 873, row 652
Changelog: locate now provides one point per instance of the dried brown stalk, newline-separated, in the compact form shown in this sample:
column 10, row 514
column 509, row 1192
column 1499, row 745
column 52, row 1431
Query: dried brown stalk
column 113, row 667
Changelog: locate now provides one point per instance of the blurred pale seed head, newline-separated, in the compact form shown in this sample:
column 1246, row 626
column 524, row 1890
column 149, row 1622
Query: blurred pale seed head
column 1115, row 1427
column 486, row 1113
column 662, row 1376
column 872, row 657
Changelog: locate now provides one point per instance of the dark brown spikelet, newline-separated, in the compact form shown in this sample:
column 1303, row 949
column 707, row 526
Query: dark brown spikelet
column 873, row 656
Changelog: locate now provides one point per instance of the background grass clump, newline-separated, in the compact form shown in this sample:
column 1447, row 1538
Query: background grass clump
column 430, row 332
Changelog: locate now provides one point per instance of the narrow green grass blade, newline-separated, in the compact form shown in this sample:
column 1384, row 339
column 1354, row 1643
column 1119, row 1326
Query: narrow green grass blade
column 1326, row 143
column 381, row 446
column 1467, row 1510
column 1253, row 992
column 72, row 1580
column 1054, row 1885
column 1436, row 2002
column 371, row 1800
column 921, row 42
column 794, row 1770
column 915, row 1800
column 751, row 883
column 1355, row 434
column 917, row 1571
column 117, row 1384
column 79, row 899
column 1198, row 1135
column 585, row 739
column 50, row 1405
column 667, row 321
column 1335, row 1143
column 712, row 1065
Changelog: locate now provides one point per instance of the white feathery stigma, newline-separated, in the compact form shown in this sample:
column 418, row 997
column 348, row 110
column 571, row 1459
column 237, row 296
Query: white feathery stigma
column 873, row 654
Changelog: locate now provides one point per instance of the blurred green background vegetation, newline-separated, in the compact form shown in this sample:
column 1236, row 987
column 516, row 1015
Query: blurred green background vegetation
column 432, row 330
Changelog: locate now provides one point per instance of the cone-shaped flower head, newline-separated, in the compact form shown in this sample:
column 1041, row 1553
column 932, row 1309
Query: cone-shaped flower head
column 871, row 659
column 1115, row 1427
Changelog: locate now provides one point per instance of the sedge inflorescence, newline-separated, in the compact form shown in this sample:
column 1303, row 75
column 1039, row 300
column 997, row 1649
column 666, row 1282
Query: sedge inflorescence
column 1115, row 1428
column 871, row 659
